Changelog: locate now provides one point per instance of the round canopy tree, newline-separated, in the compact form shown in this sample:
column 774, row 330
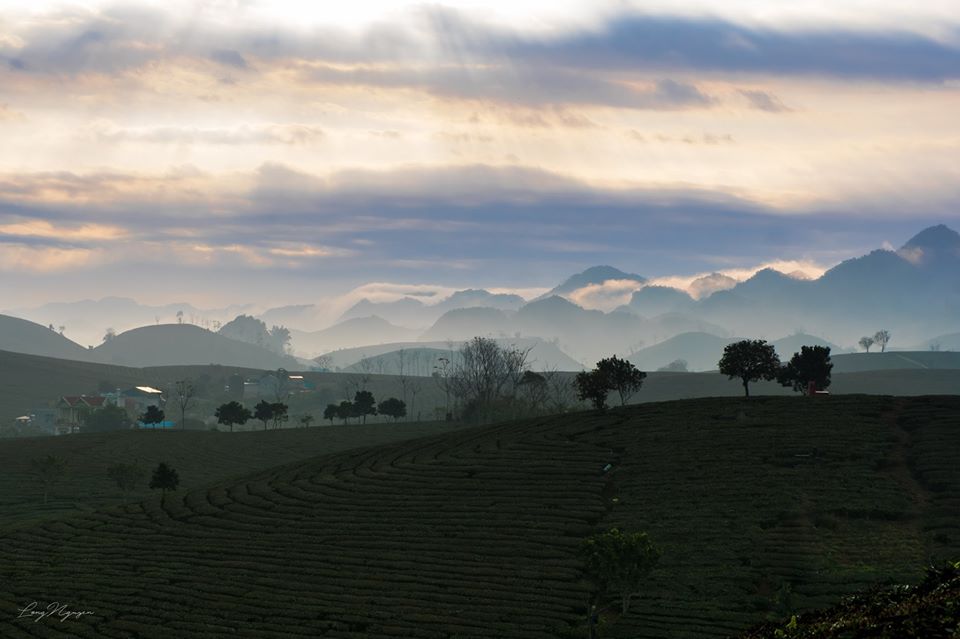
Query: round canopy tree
column 750, row 360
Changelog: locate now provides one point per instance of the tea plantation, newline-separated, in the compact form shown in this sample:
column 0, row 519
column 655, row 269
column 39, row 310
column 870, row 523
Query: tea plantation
column 761, row 508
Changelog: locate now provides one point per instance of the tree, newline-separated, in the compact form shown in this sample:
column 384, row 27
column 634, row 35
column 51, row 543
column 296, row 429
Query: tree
column 264, row 412
column 330, row 412
column 592, row 386
column 126, row 476
column 49, row 470
column 364, row 404
column 279, row 339
column 232, row 413
column 882, row 338
column 109, row 335
column 306, row 420
column 393, row 407
column 621, row 376
column 179, row 317
column 184, row 392
column 164, row 478
column 485, row 372
column 811, row 365
column 751, row 361
column 108, row 418
column 153, row 415
column 616, row 564
column 866, row 343
column 345, row 411
column 279, row 413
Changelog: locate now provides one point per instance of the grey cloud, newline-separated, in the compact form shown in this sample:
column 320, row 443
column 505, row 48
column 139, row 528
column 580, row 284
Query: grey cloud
column 764, row 101
column 229, row 58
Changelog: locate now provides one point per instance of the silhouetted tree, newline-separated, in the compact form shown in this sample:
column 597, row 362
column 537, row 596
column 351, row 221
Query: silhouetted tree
column 393, row 407
column 126, row 476
column 345, row 411
column 279, row 413
column 866, row 343
column 232, row 413
column 485, row 372
column 306, row 420
column 264, row 412
column 330, row 412
column 811, row 364
column 592, row 386
column 364, row 404
column 164, row 478
column 48, row 470
column 882, row 338
column 109, row 335
column 279, row 339
column 621, row 376
column 751, row 361
column 184, row 392
column 616, row 564
column 153, row 415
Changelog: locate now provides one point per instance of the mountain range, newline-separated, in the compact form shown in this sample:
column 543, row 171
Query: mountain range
column 913, row 292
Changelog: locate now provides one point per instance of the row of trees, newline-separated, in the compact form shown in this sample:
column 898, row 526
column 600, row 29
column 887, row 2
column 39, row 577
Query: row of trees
column 51, row 469
column 236, row 414
column 755, row 360
column 610, row 374
column 364, row 405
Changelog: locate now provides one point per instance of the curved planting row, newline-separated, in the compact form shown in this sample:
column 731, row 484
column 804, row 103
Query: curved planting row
column 761, row 508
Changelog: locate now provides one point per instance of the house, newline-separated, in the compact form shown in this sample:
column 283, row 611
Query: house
column 136, row 400
column 72, row 411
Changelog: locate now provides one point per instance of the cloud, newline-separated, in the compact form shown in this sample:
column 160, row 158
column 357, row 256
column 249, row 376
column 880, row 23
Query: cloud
column 764, row 101
column 291, row 134
column 701, row 285
column 606, row 296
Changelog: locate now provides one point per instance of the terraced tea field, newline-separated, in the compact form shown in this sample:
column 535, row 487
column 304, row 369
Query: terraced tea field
column 473, row 533
column 199, row 457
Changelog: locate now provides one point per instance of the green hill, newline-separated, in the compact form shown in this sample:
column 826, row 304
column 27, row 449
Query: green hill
column 473, row 533
column 895, row 360
column 200, row 457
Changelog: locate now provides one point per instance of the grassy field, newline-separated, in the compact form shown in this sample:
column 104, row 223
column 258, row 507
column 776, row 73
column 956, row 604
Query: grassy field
column 199, row 457
column 760, row 508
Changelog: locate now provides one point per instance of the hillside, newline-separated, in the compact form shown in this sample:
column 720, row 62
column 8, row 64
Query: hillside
column 474, row 533
column 184, row 344
column 200, row 458
column 895, row 360
column 21, row 336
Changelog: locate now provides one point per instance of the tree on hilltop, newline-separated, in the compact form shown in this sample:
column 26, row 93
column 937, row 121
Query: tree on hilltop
column 364, row 404
column 750, row 361
column 393, row 407
column 232, row 413
column 330, row 412
column 279, row 412
column 592, row 386
column 811, row 364
column 621, row 376
column 866, row 343
column 882, row 338
column 264, row 412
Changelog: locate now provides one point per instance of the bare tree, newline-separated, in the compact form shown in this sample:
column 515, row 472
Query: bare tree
column 415, row 386
column 184, row 392
column 441, row 373
column 485, row 372
column 866, row 343
column 882, row 338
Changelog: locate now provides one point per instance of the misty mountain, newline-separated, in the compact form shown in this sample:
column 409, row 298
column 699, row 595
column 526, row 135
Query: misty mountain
column 405, row 311
column 472, row 297
column 304, row 317
column 184, row 344
column 657, row 300
column 593, row 275
column 22, row 336
column 463, row 323
column 421, row 357
column 349, row 333
column 86, row 321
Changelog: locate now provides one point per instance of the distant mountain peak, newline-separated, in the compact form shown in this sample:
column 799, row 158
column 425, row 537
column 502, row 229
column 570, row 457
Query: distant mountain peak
column 593, row 275
column 938, row 238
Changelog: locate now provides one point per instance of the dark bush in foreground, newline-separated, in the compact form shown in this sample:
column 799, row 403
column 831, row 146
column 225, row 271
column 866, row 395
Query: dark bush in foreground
column 930, row 610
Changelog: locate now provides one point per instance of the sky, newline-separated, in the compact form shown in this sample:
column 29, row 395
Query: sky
column 245, row 151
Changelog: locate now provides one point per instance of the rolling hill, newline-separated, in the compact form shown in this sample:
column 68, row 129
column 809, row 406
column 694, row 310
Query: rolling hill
column 185, row 344
column 475, row 533
column 21, row 336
